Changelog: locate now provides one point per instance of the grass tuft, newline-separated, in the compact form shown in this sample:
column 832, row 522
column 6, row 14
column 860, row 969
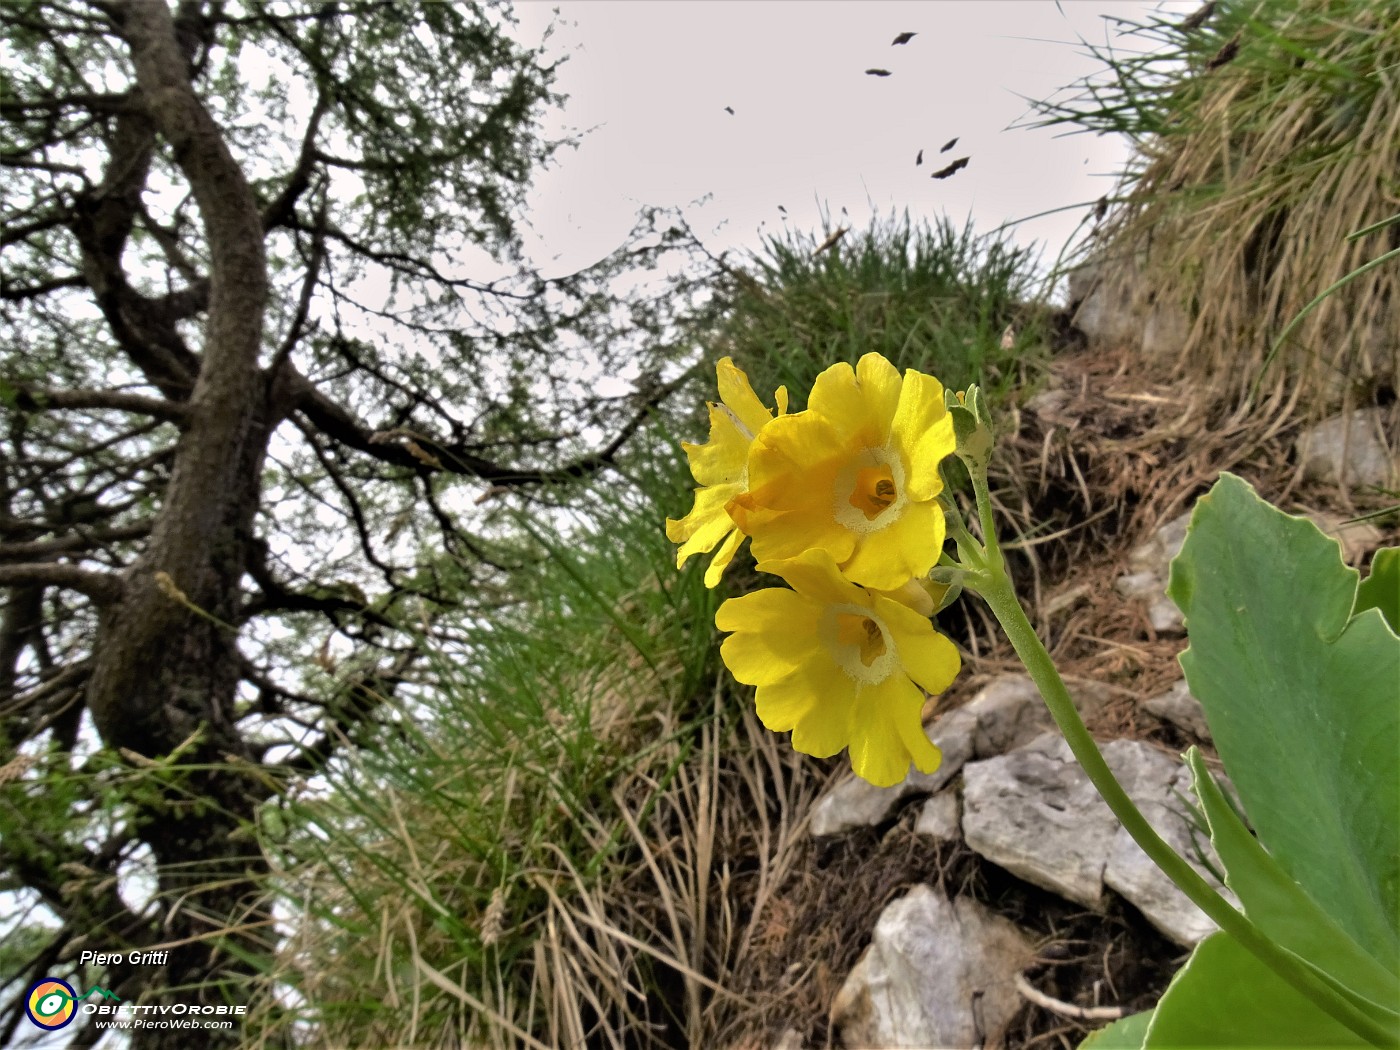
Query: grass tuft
column 1265, row 135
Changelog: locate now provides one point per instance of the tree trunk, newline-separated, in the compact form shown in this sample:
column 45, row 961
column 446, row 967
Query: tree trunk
column 166, row 665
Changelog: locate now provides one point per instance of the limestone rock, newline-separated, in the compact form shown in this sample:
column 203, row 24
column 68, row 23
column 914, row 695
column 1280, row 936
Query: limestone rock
column 1138, row 585
column 1003, row 715
column 1009, row 713
column 1156, row 554
column 1151, row 565
column 1182, row 710
column 1132, row 874
column 1349, row 449
column 1358, row 538
column 855, row 803
column 1048, row 402
column 1165, row 331
column 939, row 819
column 1108, row 311
column 1165, row 617
column 1034, row 812
column 929, row 961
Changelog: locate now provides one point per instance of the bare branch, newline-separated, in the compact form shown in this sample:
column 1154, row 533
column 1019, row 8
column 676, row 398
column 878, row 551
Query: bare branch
column 337, row 422
column 41, row 399
column 13, row 293
column 102, row 587
column 80, row 540
column 281, row 210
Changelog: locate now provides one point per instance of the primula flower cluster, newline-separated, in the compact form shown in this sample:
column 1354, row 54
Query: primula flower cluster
column 841, row 502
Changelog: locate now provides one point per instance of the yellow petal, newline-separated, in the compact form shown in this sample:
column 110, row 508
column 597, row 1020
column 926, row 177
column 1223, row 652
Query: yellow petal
column 903, row 550
column 735, row 391
column 838, row 398
column 881, row 386
column 723, row 557
column 927, row 657
column 923, row 432
column 706, row 524
column 915, row 595
column 792, row 477
column 724, row 456
column 887, row 734
column 774, row 634
column 782, row 705
column 814, row 575
column 826, row 728
column 790, row 450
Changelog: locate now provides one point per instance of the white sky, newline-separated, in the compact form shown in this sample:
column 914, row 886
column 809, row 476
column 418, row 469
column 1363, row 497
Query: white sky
column 810, row 127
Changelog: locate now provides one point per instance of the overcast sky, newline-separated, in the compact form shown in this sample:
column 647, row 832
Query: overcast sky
column 810, row 127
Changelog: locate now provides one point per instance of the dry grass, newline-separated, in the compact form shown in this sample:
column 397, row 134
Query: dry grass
column 1247, row 183
column 643, row 951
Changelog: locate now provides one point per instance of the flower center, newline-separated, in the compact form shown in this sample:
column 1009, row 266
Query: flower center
column 869, row 491
column 859, row 643
column 863, row 634
column 874, row 491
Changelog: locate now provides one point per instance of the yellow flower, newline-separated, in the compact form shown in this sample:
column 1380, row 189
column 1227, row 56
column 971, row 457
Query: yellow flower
column 840, row 666
column 855, row 475
column 721, row 467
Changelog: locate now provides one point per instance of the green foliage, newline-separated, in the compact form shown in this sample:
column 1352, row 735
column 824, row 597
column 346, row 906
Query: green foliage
column 934, row 298
column 1225, row 997
column 1301, row 700
column 1281, row 909
column 1297, row 678
column 1125, row 1034
column 498, row 798
column 1381, row 590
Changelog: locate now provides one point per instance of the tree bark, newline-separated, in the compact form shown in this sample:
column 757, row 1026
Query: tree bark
column 164, row 674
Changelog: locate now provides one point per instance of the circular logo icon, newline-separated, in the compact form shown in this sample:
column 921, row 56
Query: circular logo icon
column 51, row 1003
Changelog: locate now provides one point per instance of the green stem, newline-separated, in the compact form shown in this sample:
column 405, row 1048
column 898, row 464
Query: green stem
column 996, row 589
column 967, row 544
column 992, row 553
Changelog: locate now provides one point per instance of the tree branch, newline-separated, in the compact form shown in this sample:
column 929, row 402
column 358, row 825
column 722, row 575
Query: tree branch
column 37, row 399
column 419, row 453
column 80, row 540
column 102, row 587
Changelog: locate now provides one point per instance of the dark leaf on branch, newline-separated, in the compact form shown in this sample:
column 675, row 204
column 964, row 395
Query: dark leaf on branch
column 831, row 240
column 1227, row 53
column 951, row 169
column 1198, row 18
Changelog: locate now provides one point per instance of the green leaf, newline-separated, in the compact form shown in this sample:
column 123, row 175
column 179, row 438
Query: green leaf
column 1302, row 703
column 1223, row 996
column 1381, row 590
column 1127, row 1034
column 1284, row 913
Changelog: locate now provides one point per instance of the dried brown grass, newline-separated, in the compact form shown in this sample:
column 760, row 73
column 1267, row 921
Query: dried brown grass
column 1238, row 212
